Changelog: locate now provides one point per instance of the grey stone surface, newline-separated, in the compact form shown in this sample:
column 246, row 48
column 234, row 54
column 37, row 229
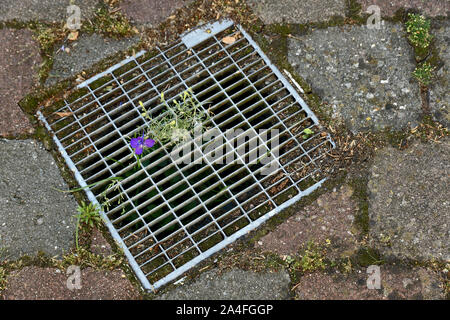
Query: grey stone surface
column 33, row 216
column 409, row 204
column 396, row 283
column 364, row 75
column 150, row 12
column 44, row 10
column 85, row 53
column 330, row 218
column 388, row 8
column 99, row 245
column 34, row 283
column 297, row 11
column 233, row 285
column 439, row 92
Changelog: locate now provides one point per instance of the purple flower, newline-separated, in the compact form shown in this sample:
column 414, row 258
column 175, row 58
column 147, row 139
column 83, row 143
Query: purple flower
column 139, row 143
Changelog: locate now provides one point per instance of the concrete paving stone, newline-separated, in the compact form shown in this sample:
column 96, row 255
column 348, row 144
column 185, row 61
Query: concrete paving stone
column 151, row 12
column 297, row 11
column 50, row 11
column 396, row 283
column 85, row 53
column 408, row 201
column 34, row 283
column 33, row 216
column 439, row 91
column 19, row 61
column 233, row 285
column 99, row 245
column 388, row 8
column 364, row 75
column 330, row 217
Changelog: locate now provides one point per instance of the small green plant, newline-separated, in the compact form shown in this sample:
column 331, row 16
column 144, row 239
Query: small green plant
column 179, row 119
column 418, row 29
column 47, row 37
column 113, row 23
column 313, row 258
column 307, row 133
column 424, row 73
column 89, row 214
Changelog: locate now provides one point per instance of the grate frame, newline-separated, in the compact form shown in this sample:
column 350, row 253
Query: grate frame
column 190, row 41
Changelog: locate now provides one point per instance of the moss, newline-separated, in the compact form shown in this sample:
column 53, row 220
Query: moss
column 280, row 29
column 42, row 135
column 109, row 21
column 31, row 102
column 353, row 8
column 285, row 196
column 395, row 138
column 360, row 195
column 367, row 256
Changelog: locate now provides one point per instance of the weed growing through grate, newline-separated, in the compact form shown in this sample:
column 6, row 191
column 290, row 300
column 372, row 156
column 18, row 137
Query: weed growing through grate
column 170, row 125
column 307, row 133
column 178, row 121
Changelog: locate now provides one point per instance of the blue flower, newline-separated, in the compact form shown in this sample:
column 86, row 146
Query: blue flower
column 139, row 143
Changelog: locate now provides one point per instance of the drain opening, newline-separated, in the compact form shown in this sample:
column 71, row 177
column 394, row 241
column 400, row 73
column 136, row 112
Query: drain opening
column 169, row 215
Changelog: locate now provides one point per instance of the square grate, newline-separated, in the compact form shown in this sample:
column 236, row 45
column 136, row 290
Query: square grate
column 168, row 215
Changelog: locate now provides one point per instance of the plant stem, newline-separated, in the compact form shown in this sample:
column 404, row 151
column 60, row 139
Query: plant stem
column 76, row 233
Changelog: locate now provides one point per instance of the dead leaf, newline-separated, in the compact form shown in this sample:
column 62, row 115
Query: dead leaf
column 64, row 114
column 73, row 35
column 79, row 78
column 229, row 40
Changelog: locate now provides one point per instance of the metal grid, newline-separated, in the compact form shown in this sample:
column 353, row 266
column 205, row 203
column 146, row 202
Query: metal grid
column 166, row 215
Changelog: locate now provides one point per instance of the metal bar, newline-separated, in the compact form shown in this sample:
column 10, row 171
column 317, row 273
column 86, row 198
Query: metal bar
column 178, row 205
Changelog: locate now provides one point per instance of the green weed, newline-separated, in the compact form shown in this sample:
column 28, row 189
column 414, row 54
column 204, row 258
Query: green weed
column 418, row 29
column 424, row 73
column 179, row 119
column 89, row 214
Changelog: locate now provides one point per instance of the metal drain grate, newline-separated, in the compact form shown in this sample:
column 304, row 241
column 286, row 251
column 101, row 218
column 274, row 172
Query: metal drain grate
column 169, row 215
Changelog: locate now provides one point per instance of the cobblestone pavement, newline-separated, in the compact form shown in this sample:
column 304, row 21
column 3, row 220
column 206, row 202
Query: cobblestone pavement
column 386, row 208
